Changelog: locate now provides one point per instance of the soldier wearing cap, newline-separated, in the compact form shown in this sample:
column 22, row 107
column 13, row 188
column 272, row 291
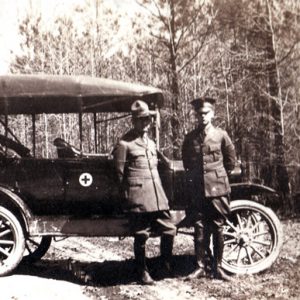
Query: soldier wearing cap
column 208, row 157
column 135, row 158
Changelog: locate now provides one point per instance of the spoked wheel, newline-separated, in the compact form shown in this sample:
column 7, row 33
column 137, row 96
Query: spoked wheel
column 12, row 242
column 36, row 248
column 253, row 238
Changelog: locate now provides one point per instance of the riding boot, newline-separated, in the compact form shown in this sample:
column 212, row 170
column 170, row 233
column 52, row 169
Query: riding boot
column 140, row 258
column 218, row 246
column 209, row 258
column 199, row 253
column 166, row 247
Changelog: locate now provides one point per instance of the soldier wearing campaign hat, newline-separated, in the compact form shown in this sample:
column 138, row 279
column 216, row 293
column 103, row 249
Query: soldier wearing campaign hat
column 208, row 157
column 135, row 158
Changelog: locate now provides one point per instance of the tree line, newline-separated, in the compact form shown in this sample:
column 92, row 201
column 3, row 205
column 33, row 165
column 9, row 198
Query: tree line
column 245, row 53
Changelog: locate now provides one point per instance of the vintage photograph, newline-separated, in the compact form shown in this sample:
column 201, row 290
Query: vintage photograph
column 149, row 149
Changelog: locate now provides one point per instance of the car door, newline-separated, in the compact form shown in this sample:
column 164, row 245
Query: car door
column 40, row 182
column 91, row 186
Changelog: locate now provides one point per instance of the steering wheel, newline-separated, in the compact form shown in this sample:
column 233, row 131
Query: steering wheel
column 10, row 148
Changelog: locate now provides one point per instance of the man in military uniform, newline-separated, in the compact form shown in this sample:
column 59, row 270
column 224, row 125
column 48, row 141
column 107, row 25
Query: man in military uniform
column 135, row 159
column 208, row 157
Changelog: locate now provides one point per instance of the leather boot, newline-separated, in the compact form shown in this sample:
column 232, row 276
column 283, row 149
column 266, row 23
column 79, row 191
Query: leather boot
column 218, row 246
column 166, row 247
column 200, row 254
column 140, row 258
column 208, row 260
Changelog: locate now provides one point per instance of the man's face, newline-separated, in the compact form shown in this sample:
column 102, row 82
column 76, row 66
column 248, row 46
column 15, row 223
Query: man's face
column 205, row 115
column 142, row 125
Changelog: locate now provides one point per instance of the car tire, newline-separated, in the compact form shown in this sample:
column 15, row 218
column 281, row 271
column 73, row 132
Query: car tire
column 12, row 242
column 253, row 238
column 36, row 248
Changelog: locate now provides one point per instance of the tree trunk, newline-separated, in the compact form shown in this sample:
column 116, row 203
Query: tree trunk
column 281, row 174
column 174, row 87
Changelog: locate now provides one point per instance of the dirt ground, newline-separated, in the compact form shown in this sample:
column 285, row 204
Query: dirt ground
column 103, row 268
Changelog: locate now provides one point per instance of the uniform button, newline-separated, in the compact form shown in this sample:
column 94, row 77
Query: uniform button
column 204, row 172
column 205, row 163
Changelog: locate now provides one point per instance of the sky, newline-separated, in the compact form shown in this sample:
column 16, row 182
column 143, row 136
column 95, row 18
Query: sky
column 11, row 11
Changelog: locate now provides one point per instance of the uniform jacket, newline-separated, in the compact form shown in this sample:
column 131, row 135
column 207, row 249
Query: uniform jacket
column 207, row 158
column 136, row 165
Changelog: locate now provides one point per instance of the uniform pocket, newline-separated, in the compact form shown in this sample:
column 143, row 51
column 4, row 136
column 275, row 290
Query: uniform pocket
column 215, row 150
column 221, row 173
column 220, row 183
column 135, row 182
column 138, row 159
column 135, row 191
column 137, row 153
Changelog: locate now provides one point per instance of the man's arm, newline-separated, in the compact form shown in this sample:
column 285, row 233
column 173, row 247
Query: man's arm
column 163, row 159
column 228, row 151
column 185, row 153
column 120, row 155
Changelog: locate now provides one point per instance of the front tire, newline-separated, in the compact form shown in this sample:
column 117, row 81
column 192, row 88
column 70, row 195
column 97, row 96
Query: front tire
column 36, row 248
column 12, row 242
column 253, row 238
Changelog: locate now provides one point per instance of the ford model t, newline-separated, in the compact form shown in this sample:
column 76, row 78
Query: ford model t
column 71, row 193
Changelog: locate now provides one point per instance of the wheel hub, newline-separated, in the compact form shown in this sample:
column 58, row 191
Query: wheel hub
column 244, row 238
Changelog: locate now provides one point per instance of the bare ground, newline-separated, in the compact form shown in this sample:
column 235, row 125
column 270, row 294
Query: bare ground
column 103, row 268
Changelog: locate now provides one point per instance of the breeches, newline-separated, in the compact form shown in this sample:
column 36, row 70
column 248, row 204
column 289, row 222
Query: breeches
column 212, row 213
column 152, row 224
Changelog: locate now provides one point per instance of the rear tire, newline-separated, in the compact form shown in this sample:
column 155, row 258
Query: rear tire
column 253, row 238
column 12, row 242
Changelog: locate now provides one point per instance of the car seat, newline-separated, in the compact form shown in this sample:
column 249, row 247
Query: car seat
column 65, row 150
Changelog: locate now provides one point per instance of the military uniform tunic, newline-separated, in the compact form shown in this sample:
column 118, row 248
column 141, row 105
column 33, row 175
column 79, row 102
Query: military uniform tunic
column 208, row 156
column 136, row 164
column 146, row 202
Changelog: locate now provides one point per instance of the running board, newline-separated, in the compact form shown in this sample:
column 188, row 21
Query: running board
column 89, row 226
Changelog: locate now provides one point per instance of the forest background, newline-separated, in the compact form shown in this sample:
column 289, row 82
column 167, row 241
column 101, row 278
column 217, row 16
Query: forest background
column 245, row 53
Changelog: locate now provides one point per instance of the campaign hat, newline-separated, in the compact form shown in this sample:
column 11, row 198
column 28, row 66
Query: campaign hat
column 140, row 109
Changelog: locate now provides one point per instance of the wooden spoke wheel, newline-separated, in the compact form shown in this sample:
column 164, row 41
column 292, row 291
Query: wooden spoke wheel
column 12, row 242
column 253, row 238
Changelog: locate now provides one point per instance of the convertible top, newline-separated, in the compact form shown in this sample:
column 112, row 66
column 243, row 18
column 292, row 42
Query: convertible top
column 35, row 94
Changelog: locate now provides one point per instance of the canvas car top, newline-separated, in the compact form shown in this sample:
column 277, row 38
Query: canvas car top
column 40, row 93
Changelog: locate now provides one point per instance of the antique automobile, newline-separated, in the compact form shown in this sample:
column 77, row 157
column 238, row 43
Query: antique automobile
column 76, row 193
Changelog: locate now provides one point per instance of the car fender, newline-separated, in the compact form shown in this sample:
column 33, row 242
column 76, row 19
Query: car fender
column 11, row 200
column 242, row 190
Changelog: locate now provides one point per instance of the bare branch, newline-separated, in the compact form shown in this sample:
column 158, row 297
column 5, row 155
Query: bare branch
column 158, row 17
column 186, row 29
column 288, row 53
column 196, row 52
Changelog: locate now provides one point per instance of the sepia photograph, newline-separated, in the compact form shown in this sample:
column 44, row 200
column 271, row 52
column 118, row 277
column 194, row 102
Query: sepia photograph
column 149, row 149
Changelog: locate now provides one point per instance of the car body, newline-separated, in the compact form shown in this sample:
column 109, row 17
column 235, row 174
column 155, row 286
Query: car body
column 76, row 193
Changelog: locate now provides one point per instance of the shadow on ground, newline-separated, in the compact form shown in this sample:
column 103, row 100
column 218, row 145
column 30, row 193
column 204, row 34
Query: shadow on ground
column 107, row 273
